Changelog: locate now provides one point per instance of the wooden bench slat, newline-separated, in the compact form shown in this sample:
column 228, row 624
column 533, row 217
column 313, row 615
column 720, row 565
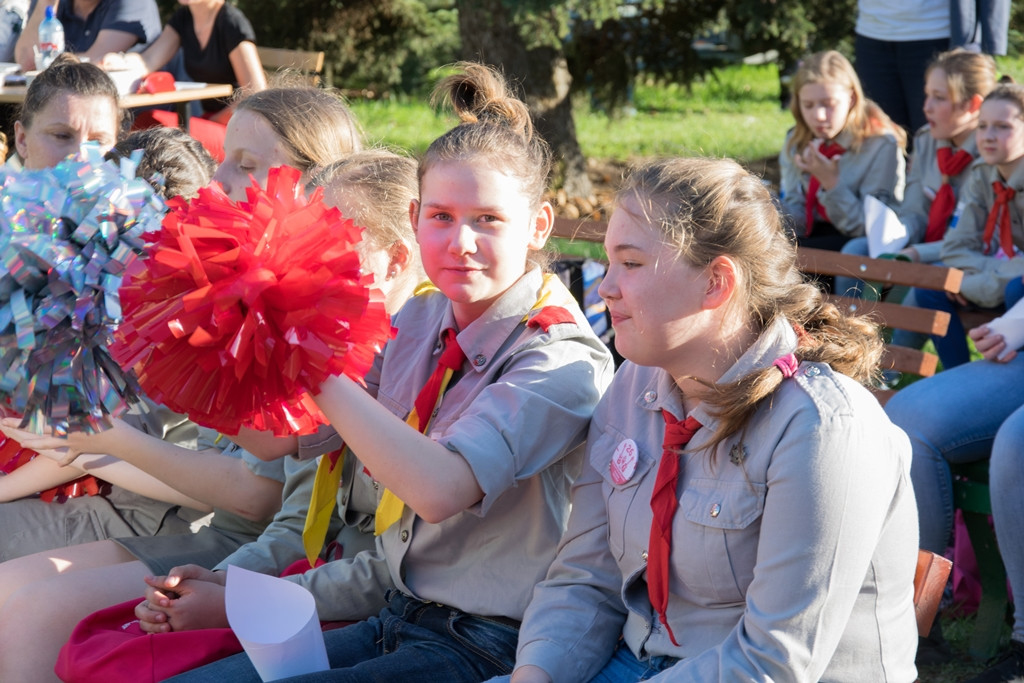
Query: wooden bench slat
column 896, row 316
column 914, row 361
column 583, row 230
column 889, row 271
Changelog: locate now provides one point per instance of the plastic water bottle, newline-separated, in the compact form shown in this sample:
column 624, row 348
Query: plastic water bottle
column 51, row 39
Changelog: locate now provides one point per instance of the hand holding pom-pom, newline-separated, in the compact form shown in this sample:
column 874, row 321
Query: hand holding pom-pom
column 241, row 308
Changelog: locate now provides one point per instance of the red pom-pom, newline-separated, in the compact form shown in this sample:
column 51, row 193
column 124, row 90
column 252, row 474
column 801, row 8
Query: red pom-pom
column 241, row 308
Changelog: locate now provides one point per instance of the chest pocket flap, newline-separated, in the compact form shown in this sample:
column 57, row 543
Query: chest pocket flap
column 722, row 504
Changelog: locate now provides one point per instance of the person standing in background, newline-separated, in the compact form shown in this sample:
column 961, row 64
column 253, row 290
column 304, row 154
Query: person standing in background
column 92, row 28
column 894, row 43
column 979, row 25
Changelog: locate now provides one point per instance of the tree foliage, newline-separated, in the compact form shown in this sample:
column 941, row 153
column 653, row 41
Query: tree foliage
column 793, row 27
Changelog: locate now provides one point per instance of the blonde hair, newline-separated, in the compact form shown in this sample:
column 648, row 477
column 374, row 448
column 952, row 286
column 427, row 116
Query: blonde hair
column 314, row 125
column 967, row 73
column 379, row 185
column 707, row 208
column 866, row 119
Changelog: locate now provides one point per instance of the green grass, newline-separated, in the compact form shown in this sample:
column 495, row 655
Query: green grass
column 734, row 113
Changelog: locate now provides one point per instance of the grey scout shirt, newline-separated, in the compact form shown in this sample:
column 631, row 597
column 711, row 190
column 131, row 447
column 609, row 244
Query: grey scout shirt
column 793, row 549
column 521, row 406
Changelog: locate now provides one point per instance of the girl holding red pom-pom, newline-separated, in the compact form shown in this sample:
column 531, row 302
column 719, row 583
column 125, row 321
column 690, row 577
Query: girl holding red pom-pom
column 79, row 579
column 474, row 480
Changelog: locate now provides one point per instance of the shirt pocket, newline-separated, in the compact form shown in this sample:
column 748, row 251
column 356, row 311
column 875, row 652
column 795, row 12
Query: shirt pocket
column 624, row 502
column 715, row 537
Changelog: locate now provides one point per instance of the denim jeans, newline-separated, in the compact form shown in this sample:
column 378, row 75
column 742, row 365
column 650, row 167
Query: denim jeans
column 410, row 641
column 954, row 417
column 623, row 667
column 1006, row 486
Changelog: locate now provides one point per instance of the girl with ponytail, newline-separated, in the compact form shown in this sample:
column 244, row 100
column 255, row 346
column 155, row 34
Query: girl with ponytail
column 466, row 420
column 745, row 509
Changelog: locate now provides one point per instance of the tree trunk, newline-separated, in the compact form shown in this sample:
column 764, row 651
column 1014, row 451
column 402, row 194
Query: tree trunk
column 489, row 36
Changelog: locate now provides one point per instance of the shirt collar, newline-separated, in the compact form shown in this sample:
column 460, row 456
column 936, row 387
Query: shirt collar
column 483, row 338
column 661, row 392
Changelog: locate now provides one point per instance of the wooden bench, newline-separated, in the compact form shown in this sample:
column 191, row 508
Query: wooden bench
column 306, row 62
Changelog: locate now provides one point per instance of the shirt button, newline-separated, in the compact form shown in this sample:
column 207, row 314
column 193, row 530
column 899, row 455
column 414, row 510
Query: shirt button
column 650, row 397
column 812, row 371
column 643, row 554
column 479, row 359
column 715, row 509
column 405, row 535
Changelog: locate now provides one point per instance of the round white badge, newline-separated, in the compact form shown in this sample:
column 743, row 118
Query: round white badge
column 623, row 463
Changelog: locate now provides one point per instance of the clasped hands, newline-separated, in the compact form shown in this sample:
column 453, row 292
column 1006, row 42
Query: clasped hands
column 189, row 597
column 810, row 160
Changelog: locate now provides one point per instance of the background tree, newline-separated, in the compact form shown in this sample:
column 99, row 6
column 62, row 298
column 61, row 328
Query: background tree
column 525, row 41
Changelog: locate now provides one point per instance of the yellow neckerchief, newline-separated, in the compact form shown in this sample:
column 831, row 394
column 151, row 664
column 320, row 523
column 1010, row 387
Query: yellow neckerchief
column 390, row 507
column 321, row 503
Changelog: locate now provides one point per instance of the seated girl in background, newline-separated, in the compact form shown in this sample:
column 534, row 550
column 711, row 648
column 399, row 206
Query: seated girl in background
column 67, row 104
column 792, row 553
column 173, row 162
column 986, row 233
column 218, row 46
column 955, row 84
column 477, row 476
column 842, row 148
column 373, row 188
column 269, row 130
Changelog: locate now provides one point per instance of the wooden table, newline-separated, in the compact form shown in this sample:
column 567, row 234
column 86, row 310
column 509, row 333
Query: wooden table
column 181, row 98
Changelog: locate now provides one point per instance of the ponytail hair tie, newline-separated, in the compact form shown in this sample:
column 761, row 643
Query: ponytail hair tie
column 787, row 364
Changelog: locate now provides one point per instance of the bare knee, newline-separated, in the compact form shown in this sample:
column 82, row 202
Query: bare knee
column 20, row 572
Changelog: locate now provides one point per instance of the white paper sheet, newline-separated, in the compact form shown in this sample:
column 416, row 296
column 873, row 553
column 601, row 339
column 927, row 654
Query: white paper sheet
column 277, row 624
column 886, row 234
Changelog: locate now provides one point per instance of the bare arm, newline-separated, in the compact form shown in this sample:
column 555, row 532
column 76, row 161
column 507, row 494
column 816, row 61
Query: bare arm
column 152, row 59
column 109, row 40
column 35, row 476
column 431, row 479
column 199, row 475
column 248, row 70
column 29, row 33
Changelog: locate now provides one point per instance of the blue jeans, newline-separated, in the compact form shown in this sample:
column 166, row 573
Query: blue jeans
column 1006, row 486
column 623, row 667
column 952, row 348
column 1014, row 292
column 410, row 641
column 954, row 417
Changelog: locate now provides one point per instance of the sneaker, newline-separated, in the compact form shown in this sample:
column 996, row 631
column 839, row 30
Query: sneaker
column 1009, row 666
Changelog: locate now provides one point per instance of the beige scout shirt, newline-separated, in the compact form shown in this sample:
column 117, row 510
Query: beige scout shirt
column 520, row 407
column 985, row 276
column 793, row 549
column 876, row 169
